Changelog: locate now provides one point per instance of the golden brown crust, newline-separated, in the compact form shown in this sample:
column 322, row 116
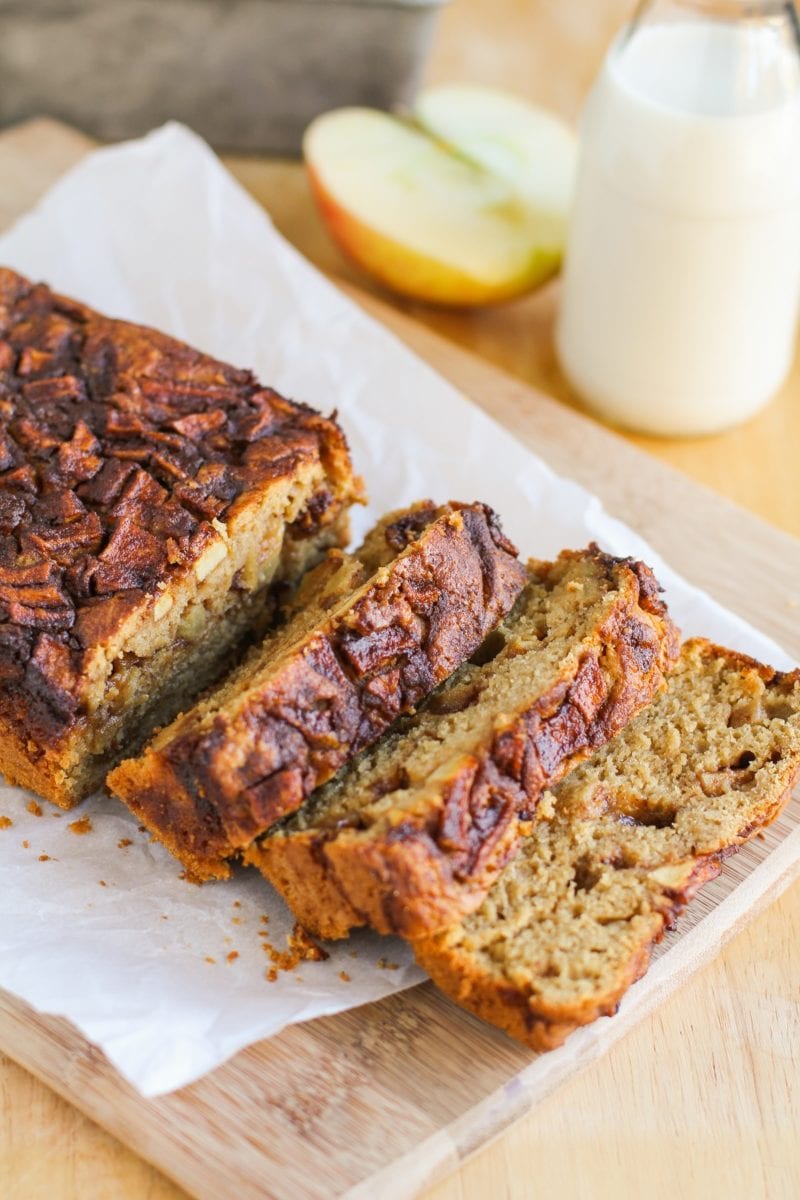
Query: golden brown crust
column 29, row 765
column 123, row 455
column 207, row 790
column 404, row 881
column 420, row 870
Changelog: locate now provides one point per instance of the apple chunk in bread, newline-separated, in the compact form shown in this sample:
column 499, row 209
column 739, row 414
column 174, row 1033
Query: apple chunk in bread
column 424, row 218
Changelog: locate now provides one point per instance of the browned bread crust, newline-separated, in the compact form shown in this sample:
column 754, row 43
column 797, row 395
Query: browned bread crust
column 130, row 466
column 422, row 844
column 628, row 840
column 250, row 754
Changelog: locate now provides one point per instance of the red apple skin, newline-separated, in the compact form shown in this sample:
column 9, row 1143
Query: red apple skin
column 405, row 271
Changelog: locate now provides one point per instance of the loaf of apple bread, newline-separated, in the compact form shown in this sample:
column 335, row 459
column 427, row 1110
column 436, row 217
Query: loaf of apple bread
column 372, row 634
column 149, row 497
column 412, row 835
column 621, row 846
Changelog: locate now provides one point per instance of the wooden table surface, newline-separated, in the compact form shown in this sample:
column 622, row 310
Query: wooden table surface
column 697, row 1100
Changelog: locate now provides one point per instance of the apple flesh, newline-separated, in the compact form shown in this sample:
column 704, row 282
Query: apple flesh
column 427, row 220
column 533, row 151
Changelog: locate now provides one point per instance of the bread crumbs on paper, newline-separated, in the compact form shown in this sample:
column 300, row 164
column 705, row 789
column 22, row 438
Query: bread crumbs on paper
column 300, row 947
column 123, row 842
column 232, row 956
column 211, row 960
column 34, row 808
column 102, row 883
column 385, row 965
column 26, row 845
column 5, row 822
column 80, row 827
column 236, row 920
column 189, row 877
column 345, row 978
column 44, row 858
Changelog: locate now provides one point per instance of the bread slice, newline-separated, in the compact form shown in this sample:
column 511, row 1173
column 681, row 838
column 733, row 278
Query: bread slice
column 373, row 633
column 412, row 835
column 629, row 837
column 149, row 498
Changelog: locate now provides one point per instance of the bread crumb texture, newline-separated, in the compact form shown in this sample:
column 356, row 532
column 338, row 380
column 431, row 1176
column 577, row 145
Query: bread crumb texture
column 622, row 845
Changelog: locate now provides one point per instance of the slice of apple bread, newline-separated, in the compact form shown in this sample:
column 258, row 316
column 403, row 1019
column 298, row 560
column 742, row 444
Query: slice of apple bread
column 622, row 845
column 411, row 835
column 371, row 635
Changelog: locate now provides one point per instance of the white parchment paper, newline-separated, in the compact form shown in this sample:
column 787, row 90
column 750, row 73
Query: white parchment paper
column 167, row 978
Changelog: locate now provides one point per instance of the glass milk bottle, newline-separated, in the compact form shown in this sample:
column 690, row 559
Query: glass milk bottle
column 682, row 278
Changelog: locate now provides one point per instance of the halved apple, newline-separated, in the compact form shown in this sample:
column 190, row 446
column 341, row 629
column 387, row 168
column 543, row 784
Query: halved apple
column 428, row 219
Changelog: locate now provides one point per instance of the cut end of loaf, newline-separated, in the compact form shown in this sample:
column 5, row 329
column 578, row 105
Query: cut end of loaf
column 151, row 495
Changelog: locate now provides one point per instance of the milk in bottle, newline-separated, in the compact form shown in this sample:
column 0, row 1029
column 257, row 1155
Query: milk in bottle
column 682, row 279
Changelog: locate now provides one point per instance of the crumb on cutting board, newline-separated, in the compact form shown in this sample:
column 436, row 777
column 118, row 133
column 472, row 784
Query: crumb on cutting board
column 123, row 842
column 231, row 956
column 5, row 822
column 34, row 808
column 80, row 827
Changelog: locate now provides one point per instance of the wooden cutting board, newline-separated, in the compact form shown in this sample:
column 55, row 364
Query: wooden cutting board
column 384, row 1099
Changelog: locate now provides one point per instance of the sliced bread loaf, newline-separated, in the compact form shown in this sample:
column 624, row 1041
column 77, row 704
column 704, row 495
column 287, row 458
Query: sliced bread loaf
column 372, row 634
column 411, row 836
column 151, row 500
column 629, row 837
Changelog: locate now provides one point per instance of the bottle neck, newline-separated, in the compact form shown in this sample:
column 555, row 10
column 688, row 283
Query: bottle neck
column 725, row 10
column 779, row 17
